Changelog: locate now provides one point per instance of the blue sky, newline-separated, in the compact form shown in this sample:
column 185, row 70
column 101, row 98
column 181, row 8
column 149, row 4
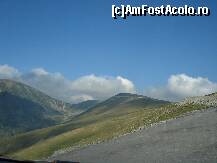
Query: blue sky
column 79, row 38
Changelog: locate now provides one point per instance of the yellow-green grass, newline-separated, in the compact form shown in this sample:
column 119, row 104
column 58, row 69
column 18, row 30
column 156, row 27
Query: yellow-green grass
column 88, row 130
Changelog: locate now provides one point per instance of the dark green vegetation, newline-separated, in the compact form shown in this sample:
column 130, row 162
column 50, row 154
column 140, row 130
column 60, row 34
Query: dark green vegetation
column 23, row 108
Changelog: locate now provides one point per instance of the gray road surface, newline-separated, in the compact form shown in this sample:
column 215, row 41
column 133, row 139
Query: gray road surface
column 190, row 139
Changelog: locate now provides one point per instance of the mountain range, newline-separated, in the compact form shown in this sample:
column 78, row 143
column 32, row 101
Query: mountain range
column 62, row 126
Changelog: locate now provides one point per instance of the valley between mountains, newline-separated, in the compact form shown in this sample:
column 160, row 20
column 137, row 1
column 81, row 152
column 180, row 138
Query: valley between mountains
column 35, row 126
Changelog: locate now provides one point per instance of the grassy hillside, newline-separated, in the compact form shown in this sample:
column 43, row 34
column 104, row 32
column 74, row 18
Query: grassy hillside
column 117, row 118
column 121, row 104
column 23, row 108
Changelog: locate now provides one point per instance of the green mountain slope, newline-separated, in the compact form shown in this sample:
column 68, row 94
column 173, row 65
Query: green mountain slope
column 121, row 114
column 109, row 115
column 122, row 103
column 23, row 108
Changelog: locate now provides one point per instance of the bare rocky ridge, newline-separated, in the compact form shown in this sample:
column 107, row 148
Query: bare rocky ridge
column 208, row 100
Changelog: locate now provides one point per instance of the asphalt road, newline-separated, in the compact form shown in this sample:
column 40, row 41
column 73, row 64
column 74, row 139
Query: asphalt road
column 190, row 139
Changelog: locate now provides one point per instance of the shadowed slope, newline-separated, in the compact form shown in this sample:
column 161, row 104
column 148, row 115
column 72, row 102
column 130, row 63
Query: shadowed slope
column 23, row 108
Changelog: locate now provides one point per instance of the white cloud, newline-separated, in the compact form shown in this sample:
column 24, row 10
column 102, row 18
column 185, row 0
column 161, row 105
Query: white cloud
column 53, row 84
column 189, row 86
column 102, row 87
column 180, row 86
column 84, row 88
column 39, row 71
column 80, row 98
column 8, row 72
column 56, row 85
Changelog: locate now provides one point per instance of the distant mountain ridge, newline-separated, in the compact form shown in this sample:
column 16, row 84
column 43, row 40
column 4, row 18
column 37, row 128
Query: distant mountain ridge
column 23, row 108
column 124, row 102
column 27, row 92
column 85, row 105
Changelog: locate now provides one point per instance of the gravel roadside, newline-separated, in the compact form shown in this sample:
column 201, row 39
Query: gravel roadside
column 192, row 138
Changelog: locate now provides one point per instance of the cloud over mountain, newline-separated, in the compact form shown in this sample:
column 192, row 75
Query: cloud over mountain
column 180, row 86
column 91, row 87
column 8, row 72
column 102, row 87
column 56, row 85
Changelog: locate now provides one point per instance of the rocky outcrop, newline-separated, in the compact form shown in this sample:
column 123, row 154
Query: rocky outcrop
column 208, row 100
